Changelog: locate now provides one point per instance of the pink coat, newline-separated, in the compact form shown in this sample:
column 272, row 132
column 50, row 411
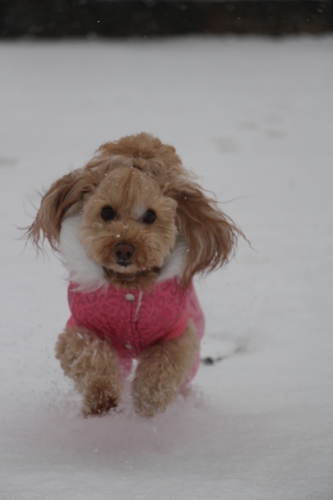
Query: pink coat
column 134, row 320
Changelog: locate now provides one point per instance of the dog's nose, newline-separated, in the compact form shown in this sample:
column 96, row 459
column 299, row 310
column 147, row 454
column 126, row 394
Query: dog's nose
column 124, row 251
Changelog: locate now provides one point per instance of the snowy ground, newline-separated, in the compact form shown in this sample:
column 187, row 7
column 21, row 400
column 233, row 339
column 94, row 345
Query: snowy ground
column 253, row 118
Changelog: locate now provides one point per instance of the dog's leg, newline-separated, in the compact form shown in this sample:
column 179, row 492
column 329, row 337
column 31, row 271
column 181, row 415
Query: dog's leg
column 94, row 367
column 161, row 371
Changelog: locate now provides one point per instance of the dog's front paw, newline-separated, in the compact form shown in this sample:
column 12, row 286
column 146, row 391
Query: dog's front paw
column 152, row 392
column 161, row 371
column 99, row 398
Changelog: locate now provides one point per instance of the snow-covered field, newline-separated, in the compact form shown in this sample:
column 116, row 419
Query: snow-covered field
column 254, row 119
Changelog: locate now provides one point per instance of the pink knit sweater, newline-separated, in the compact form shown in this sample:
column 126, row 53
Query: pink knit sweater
column 134, row 320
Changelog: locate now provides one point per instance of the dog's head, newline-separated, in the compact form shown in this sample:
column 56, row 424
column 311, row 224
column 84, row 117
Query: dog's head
column 131, row 208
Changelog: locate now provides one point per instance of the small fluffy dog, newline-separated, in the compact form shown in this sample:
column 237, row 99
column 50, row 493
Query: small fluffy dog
column 132, row 227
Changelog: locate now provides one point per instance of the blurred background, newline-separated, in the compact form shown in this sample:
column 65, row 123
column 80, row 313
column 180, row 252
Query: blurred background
column 108, row 18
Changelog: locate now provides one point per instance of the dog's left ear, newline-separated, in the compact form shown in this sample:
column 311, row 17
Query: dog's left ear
column 211, row 235
column 65, row 195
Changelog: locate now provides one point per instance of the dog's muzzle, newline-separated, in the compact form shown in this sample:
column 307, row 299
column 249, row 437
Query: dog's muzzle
column 124, row 252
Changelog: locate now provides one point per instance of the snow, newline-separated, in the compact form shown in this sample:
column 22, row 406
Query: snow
column 253, row 118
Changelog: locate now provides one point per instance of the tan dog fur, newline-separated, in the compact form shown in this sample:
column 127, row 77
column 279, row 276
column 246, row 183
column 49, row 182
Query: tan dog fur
column 133, row 175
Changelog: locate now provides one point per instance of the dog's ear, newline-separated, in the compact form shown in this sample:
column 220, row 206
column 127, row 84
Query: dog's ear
column 211, row 235
column 65, row 196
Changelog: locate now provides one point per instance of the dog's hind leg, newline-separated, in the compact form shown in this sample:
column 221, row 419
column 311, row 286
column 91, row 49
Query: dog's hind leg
column 161, row 371
column 94, row 367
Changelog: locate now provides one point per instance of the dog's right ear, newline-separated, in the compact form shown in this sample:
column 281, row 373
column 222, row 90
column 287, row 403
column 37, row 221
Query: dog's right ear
column 64, row 197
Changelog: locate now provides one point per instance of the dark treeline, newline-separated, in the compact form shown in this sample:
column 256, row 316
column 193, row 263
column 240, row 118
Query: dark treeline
column 81, row 18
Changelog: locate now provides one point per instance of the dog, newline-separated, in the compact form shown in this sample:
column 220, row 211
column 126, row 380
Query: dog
column 133, row 227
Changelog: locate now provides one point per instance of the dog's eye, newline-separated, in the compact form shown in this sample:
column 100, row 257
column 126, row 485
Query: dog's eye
column 149, row 217
column 107, row 213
